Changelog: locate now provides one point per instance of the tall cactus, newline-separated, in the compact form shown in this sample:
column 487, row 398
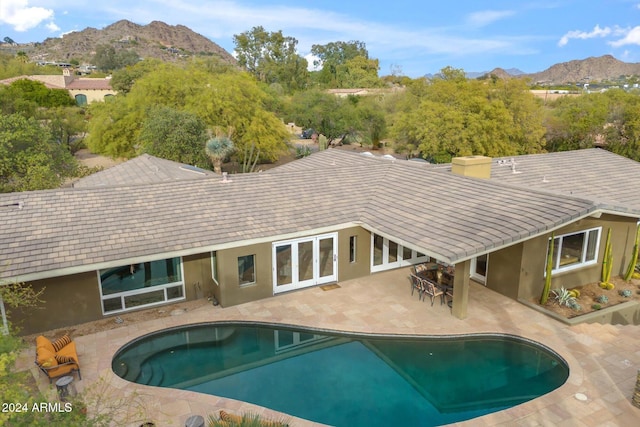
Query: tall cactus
column 607, row 264
column 634, row 256
column 549, row 269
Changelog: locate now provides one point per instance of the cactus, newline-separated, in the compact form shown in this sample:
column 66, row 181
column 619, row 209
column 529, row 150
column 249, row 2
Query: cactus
column 549, row 268
column 596, row 306
column 634, row 257
column 603, row 299
column 607, row 263
column 625, row 293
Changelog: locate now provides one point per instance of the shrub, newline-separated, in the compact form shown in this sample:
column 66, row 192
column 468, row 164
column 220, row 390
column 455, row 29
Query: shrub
column 596, row 306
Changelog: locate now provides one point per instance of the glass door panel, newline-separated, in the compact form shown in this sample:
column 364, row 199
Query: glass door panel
column 284, row 265
column 393, row 251
column 378, row 248
column 326, row 258
column 479, row 268
column 305, row 261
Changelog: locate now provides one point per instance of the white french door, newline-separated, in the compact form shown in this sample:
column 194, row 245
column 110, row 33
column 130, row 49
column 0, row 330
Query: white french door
column 300, row 263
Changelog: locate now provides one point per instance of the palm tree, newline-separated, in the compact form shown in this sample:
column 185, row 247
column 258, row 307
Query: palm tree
column 218, row 148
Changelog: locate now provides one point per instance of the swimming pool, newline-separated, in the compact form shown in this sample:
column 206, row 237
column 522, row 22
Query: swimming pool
column 346, row 379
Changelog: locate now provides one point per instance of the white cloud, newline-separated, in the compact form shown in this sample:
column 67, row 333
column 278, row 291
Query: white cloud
column 486, row 17
column 19, row 15
column 632, row 36
column 583, row 35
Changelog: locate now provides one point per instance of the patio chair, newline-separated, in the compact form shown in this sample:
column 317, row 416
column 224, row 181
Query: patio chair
column 432, row 290
column 416, row 285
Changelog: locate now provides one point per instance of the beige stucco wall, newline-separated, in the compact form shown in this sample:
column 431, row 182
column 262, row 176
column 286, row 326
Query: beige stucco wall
column 518, row 271
column 73, row 299
column 92, row 95
column 67, row 300
column 230, row 292
column 362, row 265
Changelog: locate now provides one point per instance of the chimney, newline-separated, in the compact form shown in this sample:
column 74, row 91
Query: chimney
column 472, row 166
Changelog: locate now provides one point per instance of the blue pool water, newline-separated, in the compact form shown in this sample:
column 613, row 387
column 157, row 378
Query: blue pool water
column 346, row 379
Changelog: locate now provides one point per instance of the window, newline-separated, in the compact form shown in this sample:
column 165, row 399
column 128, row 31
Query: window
column 575, row 250
column 352, row 248
column 81, row 99
column 138, row 285
column 246, row 269
column 214, row 267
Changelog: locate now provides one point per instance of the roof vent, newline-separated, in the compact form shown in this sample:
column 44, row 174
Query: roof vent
column 367, row 154
column 388, row 157
column 13, row 205
column 225, row 177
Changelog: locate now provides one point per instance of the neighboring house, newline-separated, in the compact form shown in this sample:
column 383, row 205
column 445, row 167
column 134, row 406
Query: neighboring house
column 83, row 90
column 330, row 217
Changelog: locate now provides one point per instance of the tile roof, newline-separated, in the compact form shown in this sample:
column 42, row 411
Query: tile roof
column 144, row 169
column 447, row 216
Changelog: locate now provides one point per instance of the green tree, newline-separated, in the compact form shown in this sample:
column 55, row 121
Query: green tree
column 229, row 99
column 174, row 135
column 25, row 96
column 575, row 122
column 271, row 58
column 107, row 58
column 334, row 56
column 68, row 126
column 124, row 78
column 452, row 116
column 32, row 160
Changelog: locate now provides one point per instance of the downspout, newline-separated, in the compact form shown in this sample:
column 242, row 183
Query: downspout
column 5, row 324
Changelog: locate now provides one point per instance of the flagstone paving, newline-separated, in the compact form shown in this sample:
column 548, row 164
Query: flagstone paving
column 604, row 359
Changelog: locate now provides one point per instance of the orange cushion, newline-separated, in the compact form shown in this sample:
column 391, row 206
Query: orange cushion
column 69, row 350
column 46, row 358
column 44, row 342
column 60, row 370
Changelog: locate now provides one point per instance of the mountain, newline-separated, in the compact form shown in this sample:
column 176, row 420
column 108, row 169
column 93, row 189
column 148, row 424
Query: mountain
column 593, row 69
column 155, row 40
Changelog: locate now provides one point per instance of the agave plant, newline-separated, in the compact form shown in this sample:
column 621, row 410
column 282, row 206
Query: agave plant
column 563, row 296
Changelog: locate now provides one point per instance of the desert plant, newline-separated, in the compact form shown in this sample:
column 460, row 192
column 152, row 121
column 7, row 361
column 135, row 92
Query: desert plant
column 596, row 306
column 634, row 257
column 549, row 268
column 246, row 420
column 607, row 264
column 603, row 299
column 218, row 148
column 625, row 293
column 574, row 305
column 562, row 296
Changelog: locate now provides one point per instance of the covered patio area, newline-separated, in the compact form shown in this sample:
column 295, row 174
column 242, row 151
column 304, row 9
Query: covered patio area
column 603, row 359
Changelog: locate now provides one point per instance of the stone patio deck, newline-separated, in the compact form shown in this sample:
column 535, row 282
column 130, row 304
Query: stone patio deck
column 603, row 359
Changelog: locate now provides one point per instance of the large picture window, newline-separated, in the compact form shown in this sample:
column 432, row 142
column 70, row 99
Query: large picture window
column 138, row 285
column 575, row 250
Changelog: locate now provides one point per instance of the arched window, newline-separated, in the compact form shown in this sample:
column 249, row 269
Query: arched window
column 108, row 97
column 81, row 99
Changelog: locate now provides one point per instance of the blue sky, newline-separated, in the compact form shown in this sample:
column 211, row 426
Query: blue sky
column 409, row 37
